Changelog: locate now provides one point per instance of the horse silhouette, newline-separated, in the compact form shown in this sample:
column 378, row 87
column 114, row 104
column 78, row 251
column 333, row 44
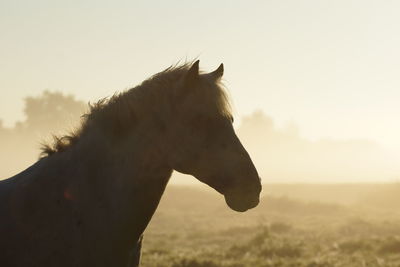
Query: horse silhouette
column 88, row 199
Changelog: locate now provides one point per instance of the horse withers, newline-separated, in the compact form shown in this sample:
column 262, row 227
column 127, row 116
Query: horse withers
column 89, row 198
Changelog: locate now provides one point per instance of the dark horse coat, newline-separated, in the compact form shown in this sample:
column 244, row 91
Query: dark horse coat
column 88, row 200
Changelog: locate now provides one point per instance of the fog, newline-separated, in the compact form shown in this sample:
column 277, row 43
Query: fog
column 283, row 155
column 280, row 153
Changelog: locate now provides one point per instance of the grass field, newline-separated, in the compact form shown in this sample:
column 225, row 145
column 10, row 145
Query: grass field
column 295, row 225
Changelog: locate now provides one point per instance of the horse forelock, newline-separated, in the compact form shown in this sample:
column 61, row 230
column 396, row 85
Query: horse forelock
column 121, row 109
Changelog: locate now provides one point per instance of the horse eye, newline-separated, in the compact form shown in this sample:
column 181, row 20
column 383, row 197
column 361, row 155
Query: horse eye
column 231, row 119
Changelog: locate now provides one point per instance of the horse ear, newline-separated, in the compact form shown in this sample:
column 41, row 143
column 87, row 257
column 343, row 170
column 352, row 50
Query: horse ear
column 193, row 73
column 217, row 74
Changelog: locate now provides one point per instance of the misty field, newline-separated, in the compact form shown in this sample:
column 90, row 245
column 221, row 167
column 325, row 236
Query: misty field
column 295, row 225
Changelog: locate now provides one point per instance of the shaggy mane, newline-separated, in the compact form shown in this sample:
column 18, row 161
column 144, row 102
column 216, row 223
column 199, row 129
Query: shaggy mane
column 118, row 111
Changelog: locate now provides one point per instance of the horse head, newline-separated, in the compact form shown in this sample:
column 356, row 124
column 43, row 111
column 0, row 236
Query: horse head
column 204, row 143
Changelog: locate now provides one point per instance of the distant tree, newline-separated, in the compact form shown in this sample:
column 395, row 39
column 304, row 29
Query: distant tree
column 51, row 111
column 46, row 114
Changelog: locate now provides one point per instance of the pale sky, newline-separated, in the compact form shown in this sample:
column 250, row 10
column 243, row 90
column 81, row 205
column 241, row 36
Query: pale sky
column 332, row 67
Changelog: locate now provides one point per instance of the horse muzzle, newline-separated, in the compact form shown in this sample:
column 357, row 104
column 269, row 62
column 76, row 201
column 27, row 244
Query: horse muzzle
column 242, row 202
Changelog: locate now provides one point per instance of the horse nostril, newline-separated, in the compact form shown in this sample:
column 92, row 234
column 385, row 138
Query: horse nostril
column 255, row 202
column 255, row 189
column 260, row 185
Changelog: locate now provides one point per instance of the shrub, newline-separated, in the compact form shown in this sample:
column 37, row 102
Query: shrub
column 285, row 250
column 259, row 238
column 351, row 246
column 390, row 246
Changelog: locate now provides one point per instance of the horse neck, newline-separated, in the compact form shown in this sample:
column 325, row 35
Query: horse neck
column 114, row 187
column 131, row 175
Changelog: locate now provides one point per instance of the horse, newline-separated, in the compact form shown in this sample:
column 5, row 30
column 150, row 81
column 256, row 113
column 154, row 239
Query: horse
column 91, row 194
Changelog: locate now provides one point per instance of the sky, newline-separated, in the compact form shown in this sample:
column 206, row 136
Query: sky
column 330, row 67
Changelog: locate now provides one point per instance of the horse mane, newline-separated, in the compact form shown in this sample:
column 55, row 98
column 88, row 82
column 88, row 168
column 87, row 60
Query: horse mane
column 119, row 111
